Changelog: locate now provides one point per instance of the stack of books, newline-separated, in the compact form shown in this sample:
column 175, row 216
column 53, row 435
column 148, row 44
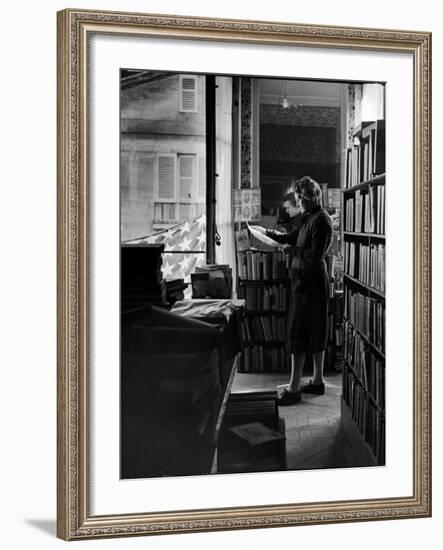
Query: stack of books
column 252, row 437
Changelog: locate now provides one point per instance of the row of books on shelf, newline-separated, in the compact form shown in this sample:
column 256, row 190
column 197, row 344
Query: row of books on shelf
column 265, row 298
column 367, row 157
column 259, row 265
column 365, row 211
column 263, row 329
column 367, row 315
column 366, row 262
column 260, row 358
column 330, row 197
column 369, row 419
column 338, row 333
column 366, row 366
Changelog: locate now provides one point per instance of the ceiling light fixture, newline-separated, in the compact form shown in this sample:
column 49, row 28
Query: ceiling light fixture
column 283, row 100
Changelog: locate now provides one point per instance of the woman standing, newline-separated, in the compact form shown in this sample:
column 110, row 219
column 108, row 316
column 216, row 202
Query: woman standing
column 308, row 313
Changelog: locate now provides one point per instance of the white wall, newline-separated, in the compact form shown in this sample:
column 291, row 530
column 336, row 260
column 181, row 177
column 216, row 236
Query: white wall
column 27, row 402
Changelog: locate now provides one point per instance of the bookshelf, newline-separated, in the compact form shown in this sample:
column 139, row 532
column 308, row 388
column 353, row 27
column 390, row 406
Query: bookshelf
column 264, row 285
column 364, row 250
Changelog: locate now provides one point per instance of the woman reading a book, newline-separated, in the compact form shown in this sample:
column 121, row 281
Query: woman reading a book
column 308, row 313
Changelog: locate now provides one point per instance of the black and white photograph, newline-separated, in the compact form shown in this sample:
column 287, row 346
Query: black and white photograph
column 252, row 263
column 221, row 228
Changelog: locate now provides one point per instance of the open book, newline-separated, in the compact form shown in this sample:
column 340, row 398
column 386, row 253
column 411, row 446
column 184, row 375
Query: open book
column 261, row 236
column 256, row 433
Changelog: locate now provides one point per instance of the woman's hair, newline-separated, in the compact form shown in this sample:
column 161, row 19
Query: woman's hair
column 309, row 189
column 290, row 197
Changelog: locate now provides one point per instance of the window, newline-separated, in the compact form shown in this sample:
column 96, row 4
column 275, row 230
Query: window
column 187, row 184
column 180, row 188
column 188, row 94
column 168, row 152
column 177, row 177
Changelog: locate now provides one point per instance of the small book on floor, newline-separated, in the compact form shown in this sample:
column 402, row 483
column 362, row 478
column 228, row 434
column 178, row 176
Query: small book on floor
column 256, row 434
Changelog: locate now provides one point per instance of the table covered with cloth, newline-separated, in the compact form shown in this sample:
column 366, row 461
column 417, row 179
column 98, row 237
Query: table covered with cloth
column 224, row 314
column 175, row 367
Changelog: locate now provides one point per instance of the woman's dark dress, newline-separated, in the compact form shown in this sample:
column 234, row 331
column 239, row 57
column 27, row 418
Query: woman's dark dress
column 307, row 321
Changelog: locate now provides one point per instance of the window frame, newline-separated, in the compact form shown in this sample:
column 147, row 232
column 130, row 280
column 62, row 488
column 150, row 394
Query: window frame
column 210, row 162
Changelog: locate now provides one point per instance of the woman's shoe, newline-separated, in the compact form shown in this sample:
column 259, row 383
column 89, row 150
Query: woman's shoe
column 289, row 398
column 316, row 389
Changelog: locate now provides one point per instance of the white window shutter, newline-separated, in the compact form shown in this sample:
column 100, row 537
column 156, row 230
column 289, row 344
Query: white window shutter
column 167, row 177
column 188, row 94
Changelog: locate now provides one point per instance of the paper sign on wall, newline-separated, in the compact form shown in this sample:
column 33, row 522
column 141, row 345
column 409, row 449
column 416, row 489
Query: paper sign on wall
column 247, row 205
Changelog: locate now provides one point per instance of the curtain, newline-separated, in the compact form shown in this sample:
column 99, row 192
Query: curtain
column 225, row 253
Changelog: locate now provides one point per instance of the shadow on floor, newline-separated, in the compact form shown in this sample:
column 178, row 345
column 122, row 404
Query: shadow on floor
column 48, row 526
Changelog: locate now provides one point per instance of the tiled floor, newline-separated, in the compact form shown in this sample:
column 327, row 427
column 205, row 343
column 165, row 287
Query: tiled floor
column 315, row 437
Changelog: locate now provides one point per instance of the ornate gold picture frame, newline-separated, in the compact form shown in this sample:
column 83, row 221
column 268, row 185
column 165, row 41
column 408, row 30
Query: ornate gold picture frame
column 76, row 519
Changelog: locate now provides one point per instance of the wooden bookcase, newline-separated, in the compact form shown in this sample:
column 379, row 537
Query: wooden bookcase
column 363, row 398
column 264, row 285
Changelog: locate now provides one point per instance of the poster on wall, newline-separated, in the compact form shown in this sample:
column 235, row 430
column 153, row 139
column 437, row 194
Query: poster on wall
column 247, row 205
